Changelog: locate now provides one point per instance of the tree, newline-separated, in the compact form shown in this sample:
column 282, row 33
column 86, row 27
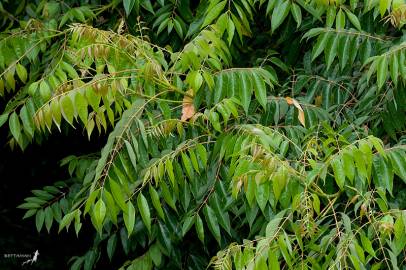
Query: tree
column 247, row 134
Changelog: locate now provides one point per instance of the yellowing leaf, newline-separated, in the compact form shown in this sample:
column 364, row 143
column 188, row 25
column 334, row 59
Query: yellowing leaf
column 318, row 100
column 301, row 116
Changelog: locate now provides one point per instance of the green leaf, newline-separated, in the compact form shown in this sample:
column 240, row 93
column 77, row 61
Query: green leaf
column 402, row 56
column 222, row 23
column 340, row 20
column 348, row 165
column 353, row 4
column 195, row 80
column 147, row 5
column 44, row 90
column 296, row 13
column 111, row 246
column 316, row 203
column 78, row 224
column 279, row 13
column 21, row 72
column 279, row 182
column 93, row 98
column 213, row 13
column 330, row 15
column 143, row 133
column 230, row 30
column 212, row 223
column 270, row 7
column 199, row 228
column 129, row 218
column 144, row 211
column 167, row 195
column 219, row 89
column 382, row 70
column 56, row 112
column 331, row 50
column 178, row 28
column 187, row 165
column 343, row 50
column 169, row 171
column 128, row 6
column 394, row 68
column 15, row 127
column 163, row 25
column 250, row 192
column 48, row 218
column 399, row 163
column 156, row 202
column 360, row 163
column 399, row 228
column 118, row 194
column 66, row 220
column 214, row 120
column 10, row 81
column 272, row 228
column 131, row 154
column 155, row 254
column 68, row 110
column 127, row 117
column 90, row 200
column 78, row 14
column 165, row 240
column 339, row 174
column 170, row 26
column 111, row 206
column 245, row 91
column 202, row 154
column 313, row 32
column 99, row 212
column 187, row 224
column 367, row 245
column 194, row 161
column 30, row 213
column 378, row 144
column 353, row 19
column 31, row 204
column 259, row 89
column 3, row 118
column 384, row 6
column 81, row 107
column 262, row 195
column 273, row 261
column 320, row 44
column 221, row 213
column 383, row 173
column 39, row 219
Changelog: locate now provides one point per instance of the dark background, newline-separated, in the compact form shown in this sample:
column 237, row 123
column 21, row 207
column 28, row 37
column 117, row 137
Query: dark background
column 21, row 172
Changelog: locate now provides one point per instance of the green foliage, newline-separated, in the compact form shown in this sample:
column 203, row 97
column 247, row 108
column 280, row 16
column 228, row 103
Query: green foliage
column 248, row 134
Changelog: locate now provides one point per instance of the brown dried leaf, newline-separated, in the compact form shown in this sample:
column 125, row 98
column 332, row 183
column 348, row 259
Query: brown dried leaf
column 188, row 109
column 289, row 100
